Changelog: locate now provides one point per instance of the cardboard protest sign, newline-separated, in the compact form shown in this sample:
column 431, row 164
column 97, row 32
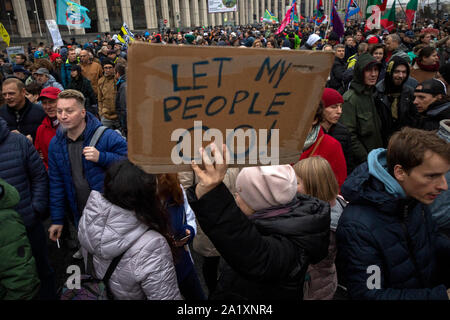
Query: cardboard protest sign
column 260, row 102
column 13, row 52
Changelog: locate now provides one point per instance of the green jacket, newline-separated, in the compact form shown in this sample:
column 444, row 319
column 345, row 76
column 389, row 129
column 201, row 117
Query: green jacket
column 359, row 113
column 18, row 275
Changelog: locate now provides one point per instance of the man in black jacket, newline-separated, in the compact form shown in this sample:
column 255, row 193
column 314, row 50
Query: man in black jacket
column 338, row 69
column 121, row 96
column 432, row 104
column 394, row 99
column 20, row 114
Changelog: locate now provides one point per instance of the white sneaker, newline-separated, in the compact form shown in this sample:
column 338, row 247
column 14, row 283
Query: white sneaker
column 77, row 255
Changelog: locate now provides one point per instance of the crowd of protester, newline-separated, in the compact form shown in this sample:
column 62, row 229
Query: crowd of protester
column 369, row 192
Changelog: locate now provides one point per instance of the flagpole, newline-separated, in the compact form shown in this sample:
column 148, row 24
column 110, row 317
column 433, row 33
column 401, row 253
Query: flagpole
column 404, row 12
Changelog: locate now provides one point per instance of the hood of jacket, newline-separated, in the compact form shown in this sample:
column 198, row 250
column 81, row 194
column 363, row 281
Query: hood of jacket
column 371, row 184
column 10, row 196
column 436, row 108
column 4, row 130
column 362, row 63
column 444, row 130
column 108, row 230
column 306, row 223
column 389, row 82
column 51, row 79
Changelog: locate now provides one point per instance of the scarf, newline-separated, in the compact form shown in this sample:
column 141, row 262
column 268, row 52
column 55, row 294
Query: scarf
column 377, row 164
column 432, row 68
column 312, row 137
column 394, row 97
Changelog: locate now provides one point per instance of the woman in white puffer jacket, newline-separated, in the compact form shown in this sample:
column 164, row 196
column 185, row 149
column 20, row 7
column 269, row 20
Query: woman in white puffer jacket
column 128, row 218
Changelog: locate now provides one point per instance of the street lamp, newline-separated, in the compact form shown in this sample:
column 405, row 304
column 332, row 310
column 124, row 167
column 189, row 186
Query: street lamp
column 37, row 16
column 10, row 24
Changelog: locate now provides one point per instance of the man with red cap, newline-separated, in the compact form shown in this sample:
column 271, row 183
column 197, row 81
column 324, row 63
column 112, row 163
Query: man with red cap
column 47, row 130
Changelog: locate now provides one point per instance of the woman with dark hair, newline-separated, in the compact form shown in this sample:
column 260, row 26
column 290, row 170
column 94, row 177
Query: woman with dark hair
column 426, row 65
column 129, row 220
column 378, row 51
column 318, row 143
column 82, row 84
column 184, row 229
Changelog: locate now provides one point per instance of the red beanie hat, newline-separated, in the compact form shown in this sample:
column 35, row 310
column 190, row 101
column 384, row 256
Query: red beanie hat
column 372, row 40
column 331, row 97
column 54, row 56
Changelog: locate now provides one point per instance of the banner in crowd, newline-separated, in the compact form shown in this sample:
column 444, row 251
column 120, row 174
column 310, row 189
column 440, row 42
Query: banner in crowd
column 352, row 8
column 125, row 35
column 182, row 98
column 411, row 9
column 319, row 13
column 388, row 20
column 72, row 14
column 4, row 33
column 54, row 31
column 269, row 17
column 287, row 18
column 381, row 4
column 12, row 52
column 215, row 6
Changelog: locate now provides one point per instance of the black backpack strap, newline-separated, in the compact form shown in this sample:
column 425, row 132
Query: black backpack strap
column 90, row 270
column 109, row 273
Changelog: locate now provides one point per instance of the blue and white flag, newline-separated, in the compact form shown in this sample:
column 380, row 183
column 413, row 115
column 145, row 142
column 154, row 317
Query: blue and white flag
column 72, row 14
column 352, row 8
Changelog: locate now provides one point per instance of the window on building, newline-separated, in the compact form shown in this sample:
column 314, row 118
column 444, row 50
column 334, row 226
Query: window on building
column 138, row 13
column 115, row 14
column 36, row 16
column 8, row 18
column 92, row 14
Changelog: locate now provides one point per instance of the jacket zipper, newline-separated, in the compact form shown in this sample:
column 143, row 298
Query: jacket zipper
column 409, row 244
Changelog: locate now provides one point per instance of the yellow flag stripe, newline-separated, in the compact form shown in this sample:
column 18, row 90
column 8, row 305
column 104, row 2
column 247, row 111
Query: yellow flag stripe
column 4, row 34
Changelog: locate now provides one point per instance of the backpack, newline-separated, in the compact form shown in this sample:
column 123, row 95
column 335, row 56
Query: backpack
column 92, row 288
column 96, row 136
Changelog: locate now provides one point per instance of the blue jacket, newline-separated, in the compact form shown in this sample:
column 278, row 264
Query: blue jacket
column 397, row 235
column 65, row 72
column 21, row 167
column 181, row 218
column 440, row 207
column 112, row 147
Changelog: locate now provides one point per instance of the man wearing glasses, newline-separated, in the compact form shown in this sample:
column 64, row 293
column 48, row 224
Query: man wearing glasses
column 107, row 96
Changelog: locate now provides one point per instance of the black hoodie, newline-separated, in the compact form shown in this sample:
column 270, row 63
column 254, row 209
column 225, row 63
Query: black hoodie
column 395, row 103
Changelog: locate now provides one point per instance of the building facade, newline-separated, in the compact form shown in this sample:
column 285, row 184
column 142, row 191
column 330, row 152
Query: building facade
column 26, row 18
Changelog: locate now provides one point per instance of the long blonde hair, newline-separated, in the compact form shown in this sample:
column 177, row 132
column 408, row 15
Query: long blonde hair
column 318, row 178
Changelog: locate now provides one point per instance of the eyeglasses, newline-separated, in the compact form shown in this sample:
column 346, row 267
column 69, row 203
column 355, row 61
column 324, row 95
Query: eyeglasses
column 107, row 67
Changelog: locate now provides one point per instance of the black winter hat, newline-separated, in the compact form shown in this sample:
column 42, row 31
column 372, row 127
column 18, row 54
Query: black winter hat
column 333, row 36
column 394, row 63
column 433, row 86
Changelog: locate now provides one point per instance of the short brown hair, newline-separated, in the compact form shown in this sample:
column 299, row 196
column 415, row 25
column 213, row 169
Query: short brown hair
column 318, row 178
column 19, row 84
column 407, row 148
column 73, row 94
